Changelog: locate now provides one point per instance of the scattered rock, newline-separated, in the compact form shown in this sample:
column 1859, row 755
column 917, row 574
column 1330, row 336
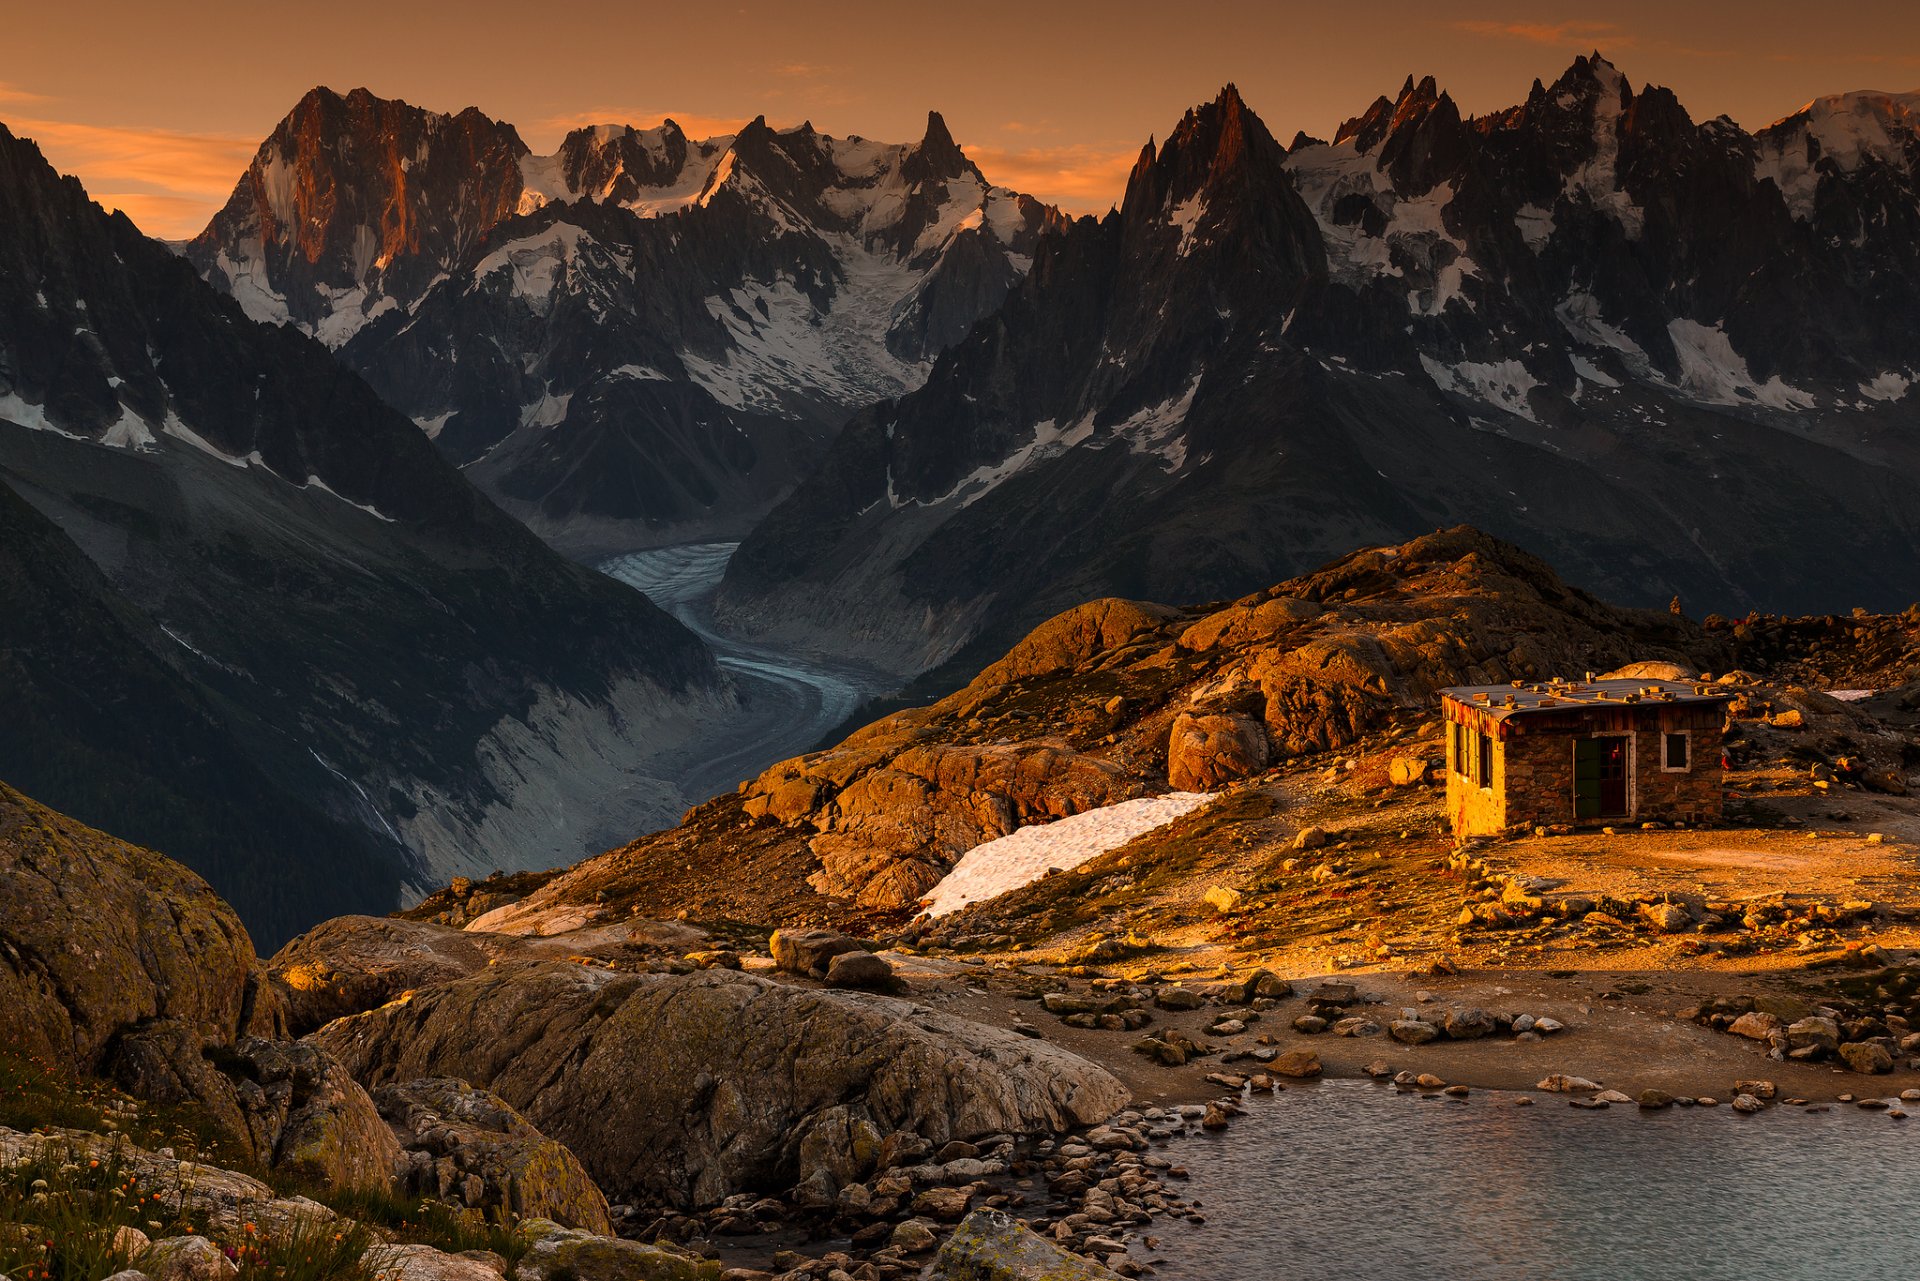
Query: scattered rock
column 1296, row 1063
column 1206, row 752
column 994, row 1246
column 555, row 1253
column 1222, row 899
column 809, row 952
column 1469, row 1024
column 861, row 970
column 1869, row 1057
column 469, row 1146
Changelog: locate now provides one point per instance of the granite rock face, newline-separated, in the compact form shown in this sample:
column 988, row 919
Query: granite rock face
column 689, row 1089
column 98, row 937
column 993, row 1246
column 469, row 1146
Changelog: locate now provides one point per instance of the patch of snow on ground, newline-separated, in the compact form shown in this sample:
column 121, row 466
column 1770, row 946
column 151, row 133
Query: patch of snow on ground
column 1712, row 371
column 997, row 867
column 1850, row 695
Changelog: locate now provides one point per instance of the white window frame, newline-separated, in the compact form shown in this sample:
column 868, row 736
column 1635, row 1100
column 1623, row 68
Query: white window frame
column 1676, row 769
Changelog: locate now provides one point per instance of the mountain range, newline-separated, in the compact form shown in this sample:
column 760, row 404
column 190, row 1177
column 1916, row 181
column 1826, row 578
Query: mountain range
column 249, row 615
column 641, row 338
column 1675, row 358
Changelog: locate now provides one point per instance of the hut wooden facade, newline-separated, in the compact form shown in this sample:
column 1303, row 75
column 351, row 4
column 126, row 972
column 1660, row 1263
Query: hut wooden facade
column 1573, row 753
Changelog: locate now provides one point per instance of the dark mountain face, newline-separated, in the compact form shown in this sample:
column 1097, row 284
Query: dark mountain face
column 255, row 620
column 1662, row 354
column 641, row 338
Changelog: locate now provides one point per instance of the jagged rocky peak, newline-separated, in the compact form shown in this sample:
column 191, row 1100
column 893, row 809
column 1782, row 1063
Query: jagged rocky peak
column 355, row 200
column 1214, row 146
column 614, row 162
column 1388, row 116
column 938, row 156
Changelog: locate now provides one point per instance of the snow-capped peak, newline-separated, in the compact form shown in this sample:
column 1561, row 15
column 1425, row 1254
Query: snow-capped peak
column 1844, row 131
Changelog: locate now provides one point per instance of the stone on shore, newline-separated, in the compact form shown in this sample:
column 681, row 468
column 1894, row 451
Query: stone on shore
column 994, row 1246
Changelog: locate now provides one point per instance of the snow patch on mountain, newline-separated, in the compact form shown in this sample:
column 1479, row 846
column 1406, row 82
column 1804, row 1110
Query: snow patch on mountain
column 999, row 866
column 1160, row 429
column 1847, row 130
column 1580, row 315
column 1185, row 216
column 1713, row 372
column 1888, row 387
column 23, row 413
column 1599, row 178
column 1503, row 384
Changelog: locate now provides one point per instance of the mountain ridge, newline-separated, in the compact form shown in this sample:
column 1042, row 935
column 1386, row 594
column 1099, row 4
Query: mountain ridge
column 1584, row 323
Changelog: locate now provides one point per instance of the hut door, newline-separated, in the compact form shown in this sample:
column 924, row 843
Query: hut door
column 1600, row 777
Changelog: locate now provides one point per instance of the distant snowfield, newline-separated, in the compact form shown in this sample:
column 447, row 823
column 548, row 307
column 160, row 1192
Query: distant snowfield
column 997, row 867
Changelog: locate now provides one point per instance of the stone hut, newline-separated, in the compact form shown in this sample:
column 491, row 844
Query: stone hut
column 1590, row 752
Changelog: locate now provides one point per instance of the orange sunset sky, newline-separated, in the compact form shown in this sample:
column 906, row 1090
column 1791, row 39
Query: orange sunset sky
column 158, row 107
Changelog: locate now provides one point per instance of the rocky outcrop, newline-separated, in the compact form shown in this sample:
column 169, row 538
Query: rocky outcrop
column 992, row 1245
column 353, row 963
column 688, row 1089
column 98, row 937
column 557, row 1253
column 297, row 1111
column 893, row 813
column 1207, row 752
column 469, row 1146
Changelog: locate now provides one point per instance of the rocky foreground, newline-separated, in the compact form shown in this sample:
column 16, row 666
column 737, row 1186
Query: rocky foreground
column 658, row 1063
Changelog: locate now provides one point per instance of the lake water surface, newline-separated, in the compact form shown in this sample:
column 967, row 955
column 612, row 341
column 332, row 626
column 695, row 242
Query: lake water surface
column 1349, row 1180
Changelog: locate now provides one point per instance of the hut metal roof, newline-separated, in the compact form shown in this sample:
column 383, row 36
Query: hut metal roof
column 1521, row 697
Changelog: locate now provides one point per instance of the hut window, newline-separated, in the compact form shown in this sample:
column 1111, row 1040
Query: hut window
column 1459, row 748
column 1486, row 760
column 1676, row 754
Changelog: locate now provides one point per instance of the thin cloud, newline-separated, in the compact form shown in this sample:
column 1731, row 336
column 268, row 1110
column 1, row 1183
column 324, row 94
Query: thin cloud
column 803, row 70
column 1551, row 33
column 167, row 181
column 13, row 95
column 1080, row 178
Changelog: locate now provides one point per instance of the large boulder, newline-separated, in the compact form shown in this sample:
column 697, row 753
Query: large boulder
column 691, row 1088
column 353, row 963
column 464, row 1144
column 992, row 1245
column 556, row 1253
column 810, row 952
column 1207, row 752
column 98, row 936
column 297, row 1110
